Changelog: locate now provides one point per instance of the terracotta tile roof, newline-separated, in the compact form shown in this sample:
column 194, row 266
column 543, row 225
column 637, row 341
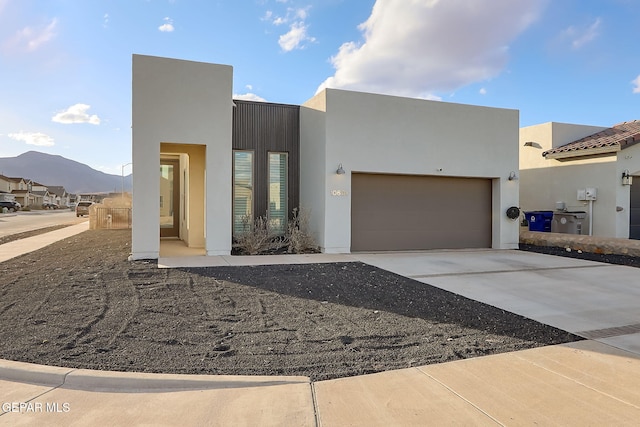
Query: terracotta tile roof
column 616, row 138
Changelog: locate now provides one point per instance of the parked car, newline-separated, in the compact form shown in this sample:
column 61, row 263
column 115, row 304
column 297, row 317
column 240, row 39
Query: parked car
column 49, row 206
column 82, row 208
column 11, row 206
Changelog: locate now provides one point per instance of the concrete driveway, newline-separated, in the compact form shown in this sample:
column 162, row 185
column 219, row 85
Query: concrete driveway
column 580, row 383
column 594, row 300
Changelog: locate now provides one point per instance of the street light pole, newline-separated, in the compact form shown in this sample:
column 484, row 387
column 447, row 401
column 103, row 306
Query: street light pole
column 123, row 166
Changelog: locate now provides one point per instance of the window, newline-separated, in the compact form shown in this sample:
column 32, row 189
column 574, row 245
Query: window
column 242, row 190
column 277, row 210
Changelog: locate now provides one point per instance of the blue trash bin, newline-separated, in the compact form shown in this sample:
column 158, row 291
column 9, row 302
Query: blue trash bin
column 539, row 220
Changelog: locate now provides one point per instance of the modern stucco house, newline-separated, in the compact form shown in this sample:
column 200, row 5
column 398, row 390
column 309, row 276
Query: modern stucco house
column 374, row 172
column 560, row 161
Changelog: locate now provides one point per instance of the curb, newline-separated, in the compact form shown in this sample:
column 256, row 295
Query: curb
column 33, row 374
column 127, row 382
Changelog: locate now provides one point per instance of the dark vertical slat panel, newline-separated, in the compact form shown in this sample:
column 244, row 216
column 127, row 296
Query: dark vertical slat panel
column 265, row 127
column 634, row 211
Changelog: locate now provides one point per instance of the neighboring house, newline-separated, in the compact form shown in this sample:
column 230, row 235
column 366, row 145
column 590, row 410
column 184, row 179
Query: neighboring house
column 5, row 184
column 36, row 186
column 19, row 187
column 559, row 162
column 374, row 172
column 62, row 197
column 17, row 184
column 41, row 197
column 23, row 197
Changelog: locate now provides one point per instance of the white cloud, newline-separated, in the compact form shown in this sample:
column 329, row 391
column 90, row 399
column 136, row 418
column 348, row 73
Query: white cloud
column 295, row 38
column 301, row 13
column 249, row 87
column 636, row 84
column 432, row 97
column 33, row 138
column 482, row 91
column 76, row 114
column 105, row 22
column 167, row 27
column 297, row 35
column 415, row 48
column 292, row 14
column 580, row 37
column 249, row 97
column 30, row 38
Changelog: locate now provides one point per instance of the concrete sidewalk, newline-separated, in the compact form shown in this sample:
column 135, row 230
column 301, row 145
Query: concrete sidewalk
column 30, row 244
column 578, row 384
column 584, row 383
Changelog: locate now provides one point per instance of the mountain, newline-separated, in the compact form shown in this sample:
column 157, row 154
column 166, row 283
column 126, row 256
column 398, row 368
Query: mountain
column 75, row 177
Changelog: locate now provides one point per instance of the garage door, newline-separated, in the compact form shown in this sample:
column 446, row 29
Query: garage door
column 407, row 212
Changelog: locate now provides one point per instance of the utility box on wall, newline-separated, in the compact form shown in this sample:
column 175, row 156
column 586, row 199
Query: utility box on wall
column 568, row 222
column 587, row 194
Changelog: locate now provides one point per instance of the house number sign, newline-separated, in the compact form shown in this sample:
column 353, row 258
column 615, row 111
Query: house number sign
column 339, row 193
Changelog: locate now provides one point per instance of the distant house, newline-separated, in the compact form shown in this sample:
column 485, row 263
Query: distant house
column 5, row 184
column 40, row 197
column 560, row 161
column 20, row 188
column 5, row 189
column 36, row 186
column 62, row 197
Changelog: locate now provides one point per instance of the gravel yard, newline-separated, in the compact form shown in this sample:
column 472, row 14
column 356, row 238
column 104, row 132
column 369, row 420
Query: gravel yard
column 80, row 303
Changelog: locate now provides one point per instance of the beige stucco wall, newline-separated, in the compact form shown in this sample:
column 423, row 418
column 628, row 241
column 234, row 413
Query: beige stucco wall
column 543, row 182
column 192, row 191
column 313, row 170
column 180, row 102
column 387, row 134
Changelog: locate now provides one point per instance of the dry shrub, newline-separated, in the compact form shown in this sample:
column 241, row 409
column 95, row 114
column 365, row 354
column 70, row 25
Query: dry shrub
column 260, row 237
column 257, row 236
column 299, row 239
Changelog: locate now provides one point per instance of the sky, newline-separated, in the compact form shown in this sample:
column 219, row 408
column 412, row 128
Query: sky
column 65, row 65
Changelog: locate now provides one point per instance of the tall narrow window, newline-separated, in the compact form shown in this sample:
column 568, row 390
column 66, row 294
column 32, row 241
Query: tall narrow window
column 242, row 191
column 278, row 191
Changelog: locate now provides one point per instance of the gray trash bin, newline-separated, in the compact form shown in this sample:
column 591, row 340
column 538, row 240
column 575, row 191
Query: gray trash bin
column 568, row 222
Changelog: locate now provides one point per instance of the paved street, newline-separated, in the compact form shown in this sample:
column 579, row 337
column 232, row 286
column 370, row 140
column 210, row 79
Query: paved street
column 27, row 221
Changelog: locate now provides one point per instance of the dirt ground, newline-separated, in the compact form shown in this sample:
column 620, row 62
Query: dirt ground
column 79, row 303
